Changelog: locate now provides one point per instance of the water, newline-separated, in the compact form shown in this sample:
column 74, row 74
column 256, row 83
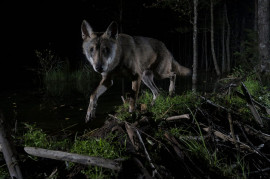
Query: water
column 66, row 108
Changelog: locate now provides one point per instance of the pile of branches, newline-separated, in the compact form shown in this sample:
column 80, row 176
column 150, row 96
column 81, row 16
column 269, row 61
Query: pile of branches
column 227, row 139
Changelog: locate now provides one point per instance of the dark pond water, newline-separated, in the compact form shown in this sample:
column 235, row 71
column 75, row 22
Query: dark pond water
column 66, row 109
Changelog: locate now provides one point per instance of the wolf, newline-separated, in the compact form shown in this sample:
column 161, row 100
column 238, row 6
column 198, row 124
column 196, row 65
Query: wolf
column 140, row 58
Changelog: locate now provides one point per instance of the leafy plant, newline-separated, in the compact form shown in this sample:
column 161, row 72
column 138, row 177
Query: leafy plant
column 35, row 137
column 106, row 148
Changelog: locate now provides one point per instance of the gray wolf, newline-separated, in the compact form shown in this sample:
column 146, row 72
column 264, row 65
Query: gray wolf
column 140, row 58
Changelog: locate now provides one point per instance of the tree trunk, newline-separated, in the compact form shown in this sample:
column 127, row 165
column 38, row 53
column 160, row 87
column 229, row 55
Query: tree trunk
column 263, row 32
column 228, row 53
column 195, row 49
column 213, row 41
column 205, row 45
column 223, row 67
column 255, row 15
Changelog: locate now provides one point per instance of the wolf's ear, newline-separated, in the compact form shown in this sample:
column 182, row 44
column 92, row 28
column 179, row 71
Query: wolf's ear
column 112, row 30
column 86, row 29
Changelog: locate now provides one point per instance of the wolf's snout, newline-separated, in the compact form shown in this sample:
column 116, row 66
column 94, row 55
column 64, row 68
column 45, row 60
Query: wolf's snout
column 99, row 68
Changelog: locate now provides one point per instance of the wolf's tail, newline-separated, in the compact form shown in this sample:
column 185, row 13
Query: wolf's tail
column 180, row 70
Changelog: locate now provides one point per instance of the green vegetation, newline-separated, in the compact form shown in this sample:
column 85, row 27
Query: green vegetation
column 98, row 147
column 166, row 106
column 57, row 76
column 106, row 148
column 4, row 172
column 35, row 137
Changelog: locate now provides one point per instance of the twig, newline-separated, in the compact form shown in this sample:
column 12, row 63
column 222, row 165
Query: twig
column 155, row 172
column 250, row 130
column 252, row 146
column 183, row 116
column 231, row 125
column 260, row 171
column 251, row 105
column 227, row 138
column 166, row 111
column 264, row 108
column 123, row 99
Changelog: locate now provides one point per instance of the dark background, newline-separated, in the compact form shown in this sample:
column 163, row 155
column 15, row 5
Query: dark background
column 27, row 26
column 35, row 25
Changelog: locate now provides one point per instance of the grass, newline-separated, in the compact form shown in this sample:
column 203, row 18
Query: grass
column 98, row 147
column 57, row 76
column 106, row 148
column 166, row 106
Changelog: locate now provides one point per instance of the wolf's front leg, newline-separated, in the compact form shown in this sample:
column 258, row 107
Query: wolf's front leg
column 103, row 86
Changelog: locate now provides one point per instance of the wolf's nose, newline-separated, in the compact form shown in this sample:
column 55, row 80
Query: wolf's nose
column 99, row 68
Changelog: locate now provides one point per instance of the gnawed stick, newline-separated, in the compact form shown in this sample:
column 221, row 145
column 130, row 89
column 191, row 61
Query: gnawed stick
column 155, row 172
column 183, row 116
column 76, row 158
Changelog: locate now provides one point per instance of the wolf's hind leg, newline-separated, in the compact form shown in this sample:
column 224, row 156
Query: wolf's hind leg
column 148, row 79
column 135, row 92
column 172, row 84
column 172, row 77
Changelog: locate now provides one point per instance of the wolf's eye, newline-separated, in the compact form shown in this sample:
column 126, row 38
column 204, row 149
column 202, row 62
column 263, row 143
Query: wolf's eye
column 105, row 50
column 91, row 49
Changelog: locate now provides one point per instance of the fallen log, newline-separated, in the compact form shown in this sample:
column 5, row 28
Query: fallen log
column 9, row 154
column 76, row 158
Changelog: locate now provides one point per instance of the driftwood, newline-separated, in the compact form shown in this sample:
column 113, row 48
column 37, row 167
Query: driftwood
column 183, row 116
column 76, row 158
column 9, row 154
column 251, row 105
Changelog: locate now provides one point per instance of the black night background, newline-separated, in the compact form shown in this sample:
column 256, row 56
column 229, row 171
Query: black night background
column 215, row 123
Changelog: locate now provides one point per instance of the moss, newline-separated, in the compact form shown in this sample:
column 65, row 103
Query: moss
column 4, row 172
column 106, row 148
column 166, row 106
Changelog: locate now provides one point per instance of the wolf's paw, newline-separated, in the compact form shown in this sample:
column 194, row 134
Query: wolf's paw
column 90, row 115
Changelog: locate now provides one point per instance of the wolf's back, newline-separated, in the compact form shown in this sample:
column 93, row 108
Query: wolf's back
column 180, row 70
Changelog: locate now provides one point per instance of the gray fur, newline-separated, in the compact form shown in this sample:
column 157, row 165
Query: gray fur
column 140, row 58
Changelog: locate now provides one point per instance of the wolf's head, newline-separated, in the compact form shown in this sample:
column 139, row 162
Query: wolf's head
column 100, row 48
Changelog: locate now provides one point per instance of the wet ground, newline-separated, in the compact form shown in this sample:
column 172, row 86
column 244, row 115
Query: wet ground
column 66, row 109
